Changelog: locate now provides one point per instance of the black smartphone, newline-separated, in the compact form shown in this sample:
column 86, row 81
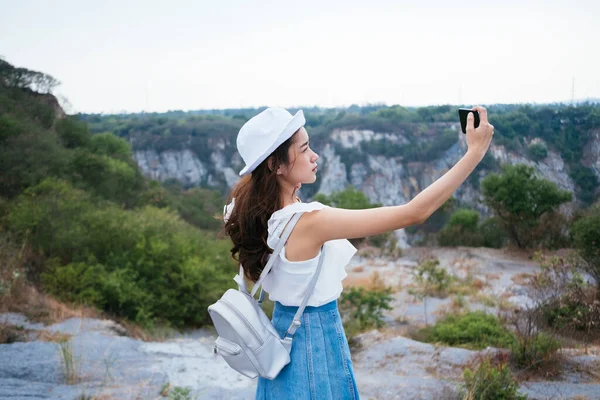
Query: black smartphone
column 462, row 115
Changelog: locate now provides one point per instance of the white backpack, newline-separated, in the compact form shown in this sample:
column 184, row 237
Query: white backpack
column 247, row 339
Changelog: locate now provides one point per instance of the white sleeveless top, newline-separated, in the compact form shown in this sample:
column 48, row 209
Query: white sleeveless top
column 288, row 280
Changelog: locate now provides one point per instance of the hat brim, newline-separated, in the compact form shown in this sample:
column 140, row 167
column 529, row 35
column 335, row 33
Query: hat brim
column 297, row 122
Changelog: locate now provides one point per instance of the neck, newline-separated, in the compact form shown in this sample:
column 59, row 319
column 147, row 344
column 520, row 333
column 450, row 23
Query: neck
column 288, row 194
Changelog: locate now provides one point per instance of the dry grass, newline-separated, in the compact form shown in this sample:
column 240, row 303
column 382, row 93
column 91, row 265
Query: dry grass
column 521, row 279
column 485, row 299
column 12, row 334
column 371, row 282
column 478, row 284
column 492, row 277
column 17, row 295
column 39, row 307
column 360, row 268
column 54, row 337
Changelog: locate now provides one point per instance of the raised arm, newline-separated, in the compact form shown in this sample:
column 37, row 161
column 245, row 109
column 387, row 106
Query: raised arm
column 336, row 223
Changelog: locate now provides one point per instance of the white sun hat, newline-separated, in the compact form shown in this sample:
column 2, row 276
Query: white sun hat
column 264, row 133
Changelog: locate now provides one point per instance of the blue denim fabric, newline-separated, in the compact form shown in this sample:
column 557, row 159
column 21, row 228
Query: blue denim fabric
column 320, row 366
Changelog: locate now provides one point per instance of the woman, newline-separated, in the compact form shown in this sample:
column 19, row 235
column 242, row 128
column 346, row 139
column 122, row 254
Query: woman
column 276, row 149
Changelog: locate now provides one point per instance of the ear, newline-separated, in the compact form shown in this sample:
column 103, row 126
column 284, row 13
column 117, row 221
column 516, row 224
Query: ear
column 270, row 163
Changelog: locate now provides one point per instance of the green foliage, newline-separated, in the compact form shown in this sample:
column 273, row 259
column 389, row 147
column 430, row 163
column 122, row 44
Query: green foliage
column 537, row 151
column 462, row 230
column 180, row 393
column 73, row 133
column 113, row 179
column 586, row 232
column 145, row 264
column 492, row 233
column 432, row 279
column 23, row 78
column 473, row 330
column 349, row 198
column 363, row 309
column 519, row 199
column 529, row 351
column 107, row 144
column 198, row 206
column 586, row 182
column 490, row 382
column 28, row 154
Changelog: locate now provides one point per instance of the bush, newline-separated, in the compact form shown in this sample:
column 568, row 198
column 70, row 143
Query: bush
column 586, row 233
column 432, row 279
column 462, row 230
column 492, row 233
column 474, row 330
column 490, row 382
column 537, row 151
column 534, row 350
column 363, row 309
column 146, row 264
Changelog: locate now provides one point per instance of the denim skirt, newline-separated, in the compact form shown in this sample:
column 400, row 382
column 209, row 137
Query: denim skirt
column 320, row 366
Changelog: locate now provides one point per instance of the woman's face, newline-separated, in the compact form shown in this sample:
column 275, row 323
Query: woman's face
column 302, row 167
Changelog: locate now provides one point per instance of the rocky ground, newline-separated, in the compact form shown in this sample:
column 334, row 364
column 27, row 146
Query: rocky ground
column 108, row 365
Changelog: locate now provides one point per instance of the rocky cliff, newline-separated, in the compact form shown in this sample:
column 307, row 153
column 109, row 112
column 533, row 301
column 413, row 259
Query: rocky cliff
column 345, row 160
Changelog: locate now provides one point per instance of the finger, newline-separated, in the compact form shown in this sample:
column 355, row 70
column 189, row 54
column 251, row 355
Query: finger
column 482, row 113
column 470, row 122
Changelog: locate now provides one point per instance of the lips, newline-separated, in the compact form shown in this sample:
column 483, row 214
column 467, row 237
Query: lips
column 315, row 169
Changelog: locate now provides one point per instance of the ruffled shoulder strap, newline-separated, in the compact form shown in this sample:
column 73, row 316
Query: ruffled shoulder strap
column 280, row 218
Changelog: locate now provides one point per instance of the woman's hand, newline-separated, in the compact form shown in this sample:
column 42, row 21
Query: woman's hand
column 479, row 139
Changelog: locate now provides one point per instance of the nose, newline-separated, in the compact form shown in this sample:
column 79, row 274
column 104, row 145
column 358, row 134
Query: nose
column 315, row 156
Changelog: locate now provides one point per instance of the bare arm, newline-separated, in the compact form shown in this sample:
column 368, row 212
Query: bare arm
column 336, row 223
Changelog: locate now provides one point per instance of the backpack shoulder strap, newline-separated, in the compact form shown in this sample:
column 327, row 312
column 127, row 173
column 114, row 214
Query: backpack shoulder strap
column 282, row 241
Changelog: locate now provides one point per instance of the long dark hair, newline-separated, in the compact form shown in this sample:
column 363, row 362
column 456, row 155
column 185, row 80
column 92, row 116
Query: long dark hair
column 257, row 197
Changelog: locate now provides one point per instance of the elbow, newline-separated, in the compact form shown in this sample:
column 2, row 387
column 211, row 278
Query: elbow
column 418, row 214
column 419, row 219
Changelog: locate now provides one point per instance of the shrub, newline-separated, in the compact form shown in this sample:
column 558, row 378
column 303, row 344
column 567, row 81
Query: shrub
column 534, row 350
column 461, row 230
column 586, row 232
column 537, row 151
column 145, row 264
column 490, row 382
column 363, row 309
column 492, row 233
column 432, row 279
column 475, row 330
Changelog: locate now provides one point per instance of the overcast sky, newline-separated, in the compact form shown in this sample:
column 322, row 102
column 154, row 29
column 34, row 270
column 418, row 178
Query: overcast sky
column 129, row 56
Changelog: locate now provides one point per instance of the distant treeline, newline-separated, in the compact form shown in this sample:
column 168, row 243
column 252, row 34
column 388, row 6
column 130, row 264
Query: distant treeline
column 565, row 129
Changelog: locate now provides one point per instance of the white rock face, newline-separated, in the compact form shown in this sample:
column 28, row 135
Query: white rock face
column 181, row 165
column 384, row 184
column 221, row 165
column 334, row 174
column 385, row 180
column 352, row 138
column 552, row 167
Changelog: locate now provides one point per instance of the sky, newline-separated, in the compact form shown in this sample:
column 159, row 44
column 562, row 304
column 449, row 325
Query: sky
column 155, row 56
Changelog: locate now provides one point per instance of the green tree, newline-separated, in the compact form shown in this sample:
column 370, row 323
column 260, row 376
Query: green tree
column 586, row 232
column 349, row 198
column 537, row 151
column 110, row 145
column 519, row 199
column 462, row 229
